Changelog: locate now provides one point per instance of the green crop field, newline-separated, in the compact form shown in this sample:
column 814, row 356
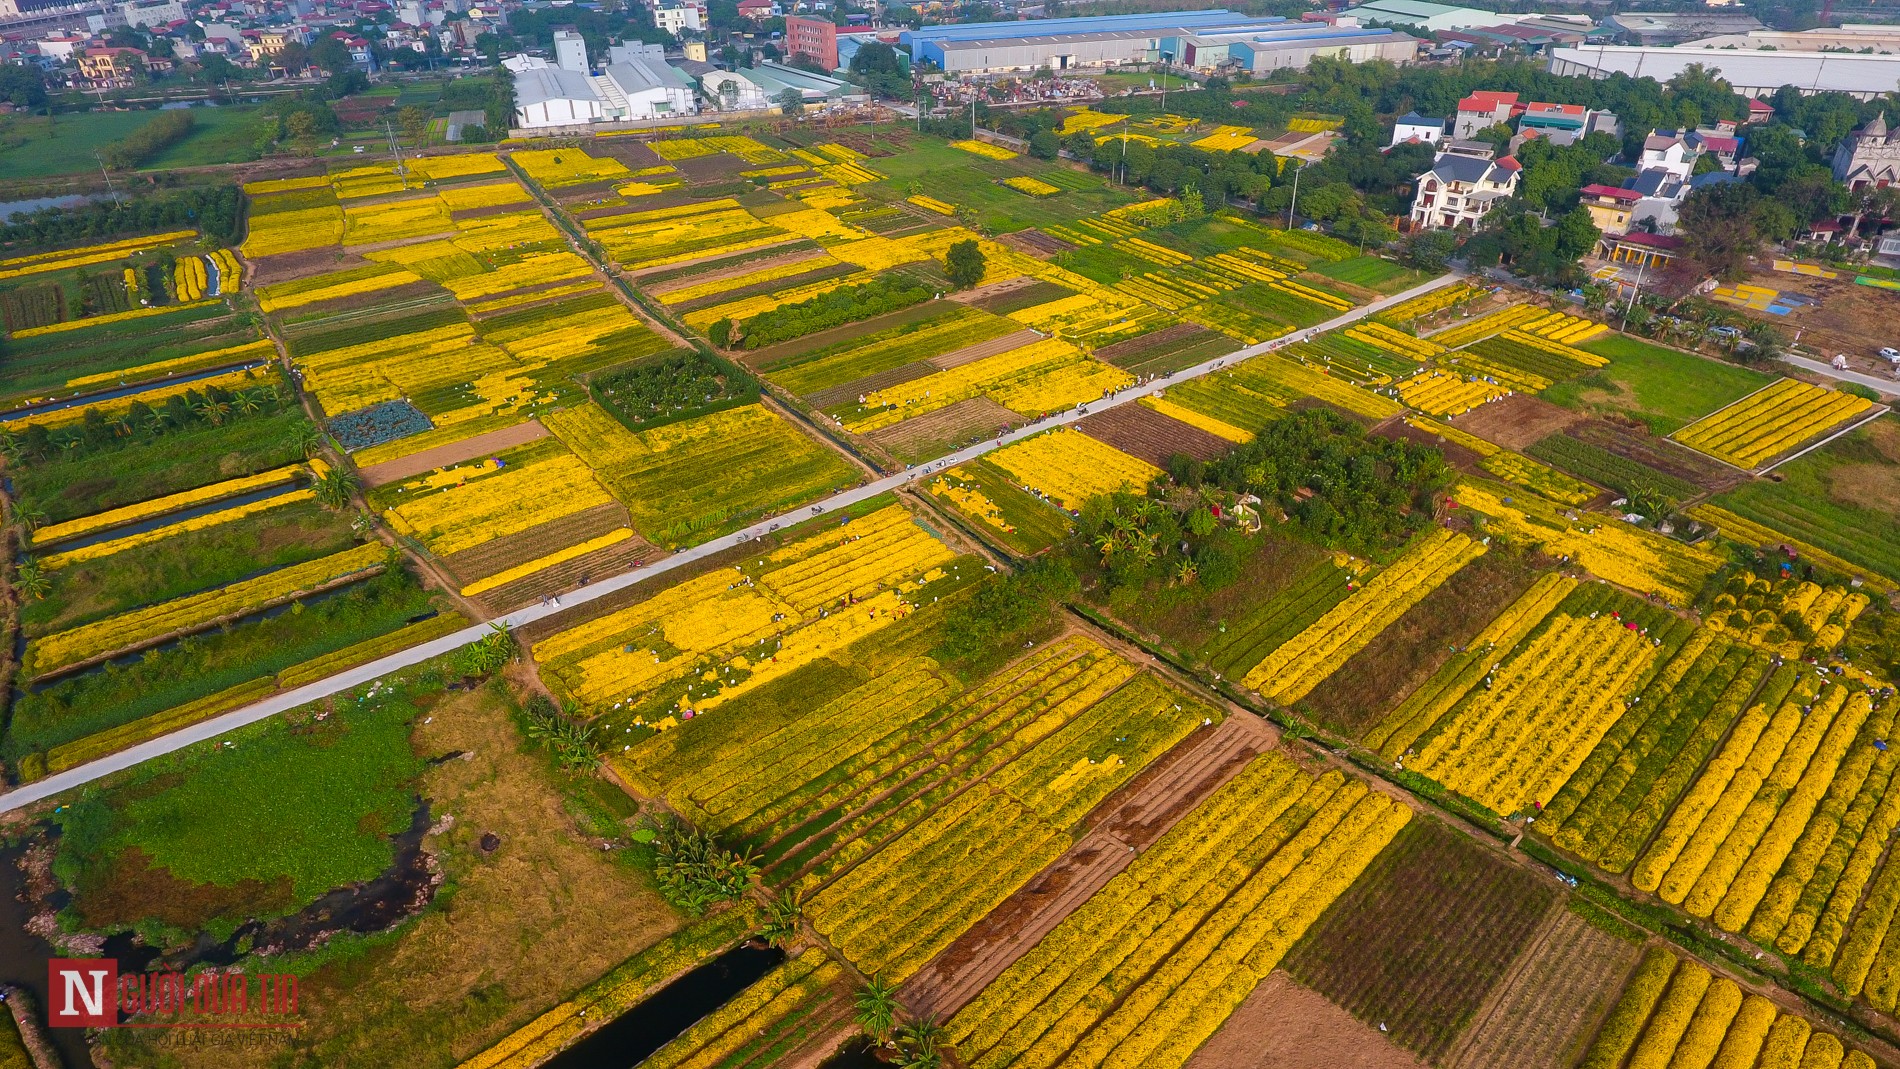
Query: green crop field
column 1664, row 388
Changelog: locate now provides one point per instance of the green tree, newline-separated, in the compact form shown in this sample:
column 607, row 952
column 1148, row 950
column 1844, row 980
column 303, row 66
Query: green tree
column 30, row 580
column 963, row 262
column 791, row 102
column 1045, row 145
column 877, row 1009
column 335, row 489
column 414, row 122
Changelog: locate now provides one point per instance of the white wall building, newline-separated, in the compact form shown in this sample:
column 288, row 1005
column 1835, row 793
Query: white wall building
column 570, row 52
column 1460, row 189
column 677, row 19
column 733, row 91
column 1753, row 73
column 1415, row 127
column 1668, row 152
column 554, row 96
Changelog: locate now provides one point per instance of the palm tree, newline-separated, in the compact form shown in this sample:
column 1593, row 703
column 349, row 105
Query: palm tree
column 309, row 439
column 28, row 514
column 877, row 1009
column 918, row 1043
column 155, row 423
column 212, row 412
column 335, row 489
column 247, row 402
column 781, row 920
column 30, row 581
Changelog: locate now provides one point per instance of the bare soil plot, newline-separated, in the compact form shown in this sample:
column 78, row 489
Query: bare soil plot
column 1417, row 942
column 628, row 150
column 570, row 574
column 970, row 354
column 934, row 433
column 1035, row 243
column 293, row 265
column 1418, row 643
column 1517, row 420
column 504, row 553
column 1283, row 1025
column 1665, row 456
column 443, row 456
column 744, row 267
column 1456, row 455
column 997, row 290
column 1142, row 432
column 1545, row 1011
column 1129, row 822
column 1167, row 350
column 885, row 379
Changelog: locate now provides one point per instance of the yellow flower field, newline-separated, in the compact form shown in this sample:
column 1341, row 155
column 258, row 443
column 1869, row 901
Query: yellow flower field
column 1035, row 187
column 984, row 149
column 549, row 560
column 333, row 286
column 1517, row 741
column 496, row 506
column 1627, row 556
column 1291, row 672
column 1770, row 422
column 41, row 262
column 284, row 232
column 486, row 195
column 1069, row 467
column 389, row 220
column 1226, row 139
column 1442, row 393
column 458, row 166
column 193, row 610
column 559, row 167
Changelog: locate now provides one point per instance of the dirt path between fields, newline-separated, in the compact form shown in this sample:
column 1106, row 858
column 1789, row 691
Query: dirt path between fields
column 1285, row 1026
column 442, row 456
column 1141, row 812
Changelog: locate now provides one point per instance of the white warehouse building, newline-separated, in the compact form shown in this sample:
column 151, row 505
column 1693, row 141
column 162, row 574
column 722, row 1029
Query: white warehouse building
column 637, row 84
column 1752, row 73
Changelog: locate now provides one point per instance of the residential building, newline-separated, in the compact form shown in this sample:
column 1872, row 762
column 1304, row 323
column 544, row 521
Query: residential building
column 676, row 19
column 1759, row 111
column 1482, row 110
column 570, row 51
column 1419, row 128
column 117, row 68
column 1870, row 156
column 1722, row 144
column 815, row 39
column 1609, row 206
column 1639, row 248
column 757, row 10
column 1672, row 153
column 1461, row 187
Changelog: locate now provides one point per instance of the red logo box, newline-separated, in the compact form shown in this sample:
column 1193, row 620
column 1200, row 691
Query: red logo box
column 83, row 992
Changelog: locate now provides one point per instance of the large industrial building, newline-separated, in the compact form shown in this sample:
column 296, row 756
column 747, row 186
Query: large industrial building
column 1753, row 72
column 636, row 83
column 1293, row 46
column 1067, row 44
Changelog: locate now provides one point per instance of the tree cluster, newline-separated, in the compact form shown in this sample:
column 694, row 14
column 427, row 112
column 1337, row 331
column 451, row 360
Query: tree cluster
column 164, row 131
column 215, row 210
column 1005, row 607
column 847, row 304
column 97, row 432
column 1341, row 486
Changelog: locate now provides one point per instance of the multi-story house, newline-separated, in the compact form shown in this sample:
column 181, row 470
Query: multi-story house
column 1463, row 184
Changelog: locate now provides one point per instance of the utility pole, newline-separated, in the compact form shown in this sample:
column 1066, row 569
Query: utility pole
column 1641, row 266
column 1296, row 194
column 973, row 113
column 1167, row 60
column 108, row 177
column 401, row 170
